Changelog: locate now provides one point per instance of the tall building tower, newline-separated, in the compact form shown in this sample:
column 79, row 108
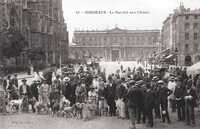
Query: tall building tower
column 42, row 24
column 180, row 34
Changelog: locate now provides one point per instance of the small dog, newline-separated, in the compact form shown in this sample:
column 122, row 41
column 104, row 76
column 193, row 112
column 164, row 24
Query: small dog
column 121, row 113
column 69, row 112
column 40, row 108
column 88, row 111
column 15, row 105
column 55, row 108
column 78, row 108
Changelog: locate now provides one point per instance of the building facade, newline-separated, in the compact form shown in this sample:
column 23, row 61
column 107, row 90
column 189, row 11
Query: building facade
column 181, row 34
column 114, row 44
column 42, row 24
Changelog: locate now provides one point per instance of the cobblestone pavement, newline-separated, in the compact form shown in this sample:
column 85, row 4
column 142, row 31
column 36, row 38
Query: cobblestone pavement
column 32, row 121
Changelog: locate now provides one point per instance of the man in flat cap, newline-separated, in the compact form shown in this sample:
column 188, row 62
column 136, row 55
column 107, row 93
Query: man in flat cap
column 134, row 102
column 190, row 98
column 156, row 88
column 15, row 80
column 164, row 92
column 141, row 110
column 179, row 97
column 24, row 88
column 149, row 104
column 24, row 93
column 171, row 85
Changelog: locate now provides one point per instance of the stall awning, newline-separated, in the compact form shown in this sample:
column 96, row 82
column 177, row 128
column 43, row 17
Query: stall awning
column 194, row 69
column 170, row 56
column 163, row 52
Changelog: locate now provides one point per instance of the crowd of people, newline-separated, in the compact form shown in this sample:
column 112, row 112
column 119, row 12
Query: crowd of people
column 136, row 94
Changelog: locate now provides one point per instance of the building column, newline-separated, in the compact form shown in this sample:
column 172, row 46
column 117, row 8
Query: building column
column 125, row 55
column 54, row 57
column 46, row 58
column 110, row 53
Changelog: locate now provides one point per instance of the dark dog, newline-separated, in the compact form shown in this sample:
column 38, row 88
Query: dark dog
column 78, row 108
column 55, row 108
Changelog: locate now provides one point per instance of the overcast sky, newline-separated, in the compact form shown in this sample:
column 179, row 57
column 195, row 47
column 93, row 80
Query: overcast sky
column 155, row 12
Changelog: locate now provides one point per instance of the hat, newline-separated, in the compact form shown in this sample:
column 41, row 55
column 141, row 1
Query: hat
column 24, row 80
column 38, row 81
column 171, row 78
column 92, row 87
column 172, row 75
column 160, row 82
column 155, row 78
column 95, row 76
column 132, row 82
column 66, row 79
column 179, row 78
column 138, row 83
column 82, row 81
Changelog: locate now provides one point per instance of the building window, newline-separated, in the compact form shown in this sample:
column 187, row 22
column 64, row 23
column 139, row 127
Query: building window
column 111, row 38
column 187, row 26
column 195, row 26
column 195, row 36
column 196, row 46
column 154, row 40
column 187, row 36
column 187, row 17
column 195, row 16
column 186, row 48
column 138, row 39
column 121, row 39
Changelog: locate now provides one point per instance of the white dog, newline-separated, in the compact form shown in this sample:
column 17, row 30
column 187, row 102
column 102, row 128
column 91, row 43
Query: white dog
column 120, row 108
column 15, row 105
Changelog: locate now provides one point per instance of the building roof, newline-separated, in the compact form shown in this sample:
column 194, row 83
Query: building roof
column 117, row 30
column 181, row 11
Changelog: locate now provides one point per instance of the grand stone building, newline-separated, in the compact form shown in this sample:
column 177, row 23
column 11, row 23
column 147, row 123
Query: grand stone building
column 181, row 35
column 114, row 44
column 42, row 24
